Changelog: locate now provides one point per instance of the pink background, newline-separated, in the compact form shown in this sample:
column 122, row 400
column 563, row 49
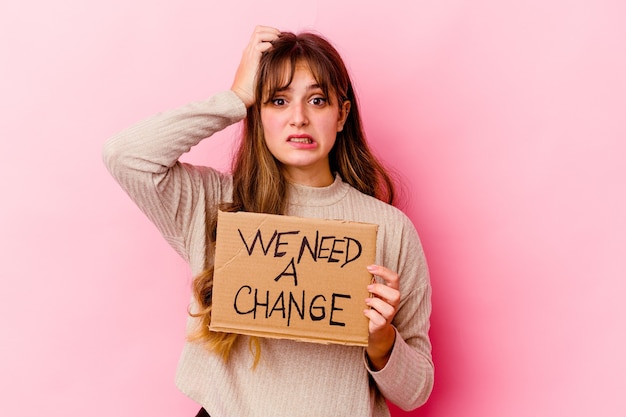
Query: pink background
column 506, row 120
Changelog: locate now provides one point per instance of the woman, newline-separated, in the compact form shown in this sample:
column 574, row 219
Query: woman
column 303, row 153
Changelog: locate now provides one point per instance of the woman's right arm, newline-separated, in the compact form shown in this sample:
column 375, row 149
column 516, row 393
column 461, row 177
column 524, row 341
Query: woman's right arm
column 144, row 158
column 144, row 161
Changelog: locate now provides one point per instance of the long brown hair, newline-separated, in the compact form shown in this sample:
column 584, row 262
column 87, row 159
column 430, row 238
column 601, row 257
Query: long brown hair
column 255, row 168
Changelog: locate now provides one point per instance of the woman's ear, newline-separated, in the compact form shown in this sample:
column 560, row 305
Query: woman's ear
column 344, row 109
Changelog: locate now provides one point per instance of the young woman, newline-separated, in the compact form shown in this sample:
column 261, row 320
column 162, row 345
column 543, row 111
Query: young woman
column 303, row 153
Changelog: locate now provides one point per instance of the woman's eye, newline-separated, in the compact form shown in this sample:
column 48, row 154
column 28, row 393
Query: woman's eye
column 318, row 101
column 278, row 101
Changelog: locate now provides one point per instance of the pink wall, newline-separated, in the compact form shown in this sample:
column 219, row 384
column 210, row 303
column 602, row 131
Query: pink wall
column 505, row 118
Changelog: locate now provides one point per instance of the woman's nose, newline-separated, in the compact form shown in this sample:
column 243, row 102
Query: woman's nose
column 298, row 115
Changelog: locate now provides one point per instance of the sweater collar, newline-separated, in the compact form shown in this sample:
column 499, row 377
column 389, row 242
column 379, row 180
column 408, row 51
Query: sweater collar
column 304, row 195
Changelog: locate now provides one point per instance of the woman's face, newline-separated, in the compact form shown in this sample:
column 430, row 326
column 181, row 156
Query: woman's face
column 300, row 128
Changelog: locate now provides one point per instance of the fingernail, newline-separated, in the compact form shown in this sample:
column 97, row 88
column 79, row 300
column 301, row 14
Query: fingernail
column 371, row 268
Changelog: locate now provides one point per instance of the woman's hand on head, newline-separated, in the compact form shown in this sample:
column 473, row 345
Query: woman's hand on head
column 261, row 41
column 383, row 307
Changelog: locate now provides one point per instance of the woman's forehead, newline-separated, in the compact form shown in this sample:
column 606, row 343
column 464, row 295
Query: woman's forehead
column 287, row 68
column 282, row 74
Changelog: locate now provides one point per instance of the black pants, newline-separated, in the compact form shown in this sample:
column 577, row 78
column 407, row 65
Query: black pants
column 202, row 413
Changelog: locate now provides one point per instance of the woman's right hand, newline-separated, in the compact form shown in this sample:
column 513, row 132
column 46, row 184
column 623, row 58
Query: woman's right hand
column 261, row 41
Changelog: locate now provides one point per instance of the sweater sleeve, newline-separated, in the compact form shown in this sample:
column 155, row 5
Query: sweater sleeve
column 407, row 378
column 144, row 161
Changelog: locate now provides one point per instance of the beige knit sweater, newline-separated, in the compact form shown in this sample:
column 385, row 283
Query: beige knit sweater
column 293, row 378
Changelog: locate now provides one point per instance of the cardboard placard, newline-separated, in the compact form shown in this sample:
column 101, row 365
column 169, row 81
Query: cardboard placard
column 292, row 277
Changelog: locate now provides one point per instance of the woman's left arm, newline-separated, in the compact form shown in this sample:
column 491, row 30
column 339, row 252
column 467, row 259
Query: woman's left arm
column 399, row 350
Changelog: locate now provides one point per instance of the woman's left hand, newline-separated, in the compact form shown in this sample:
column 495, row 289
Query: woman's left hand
column 383, row 307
